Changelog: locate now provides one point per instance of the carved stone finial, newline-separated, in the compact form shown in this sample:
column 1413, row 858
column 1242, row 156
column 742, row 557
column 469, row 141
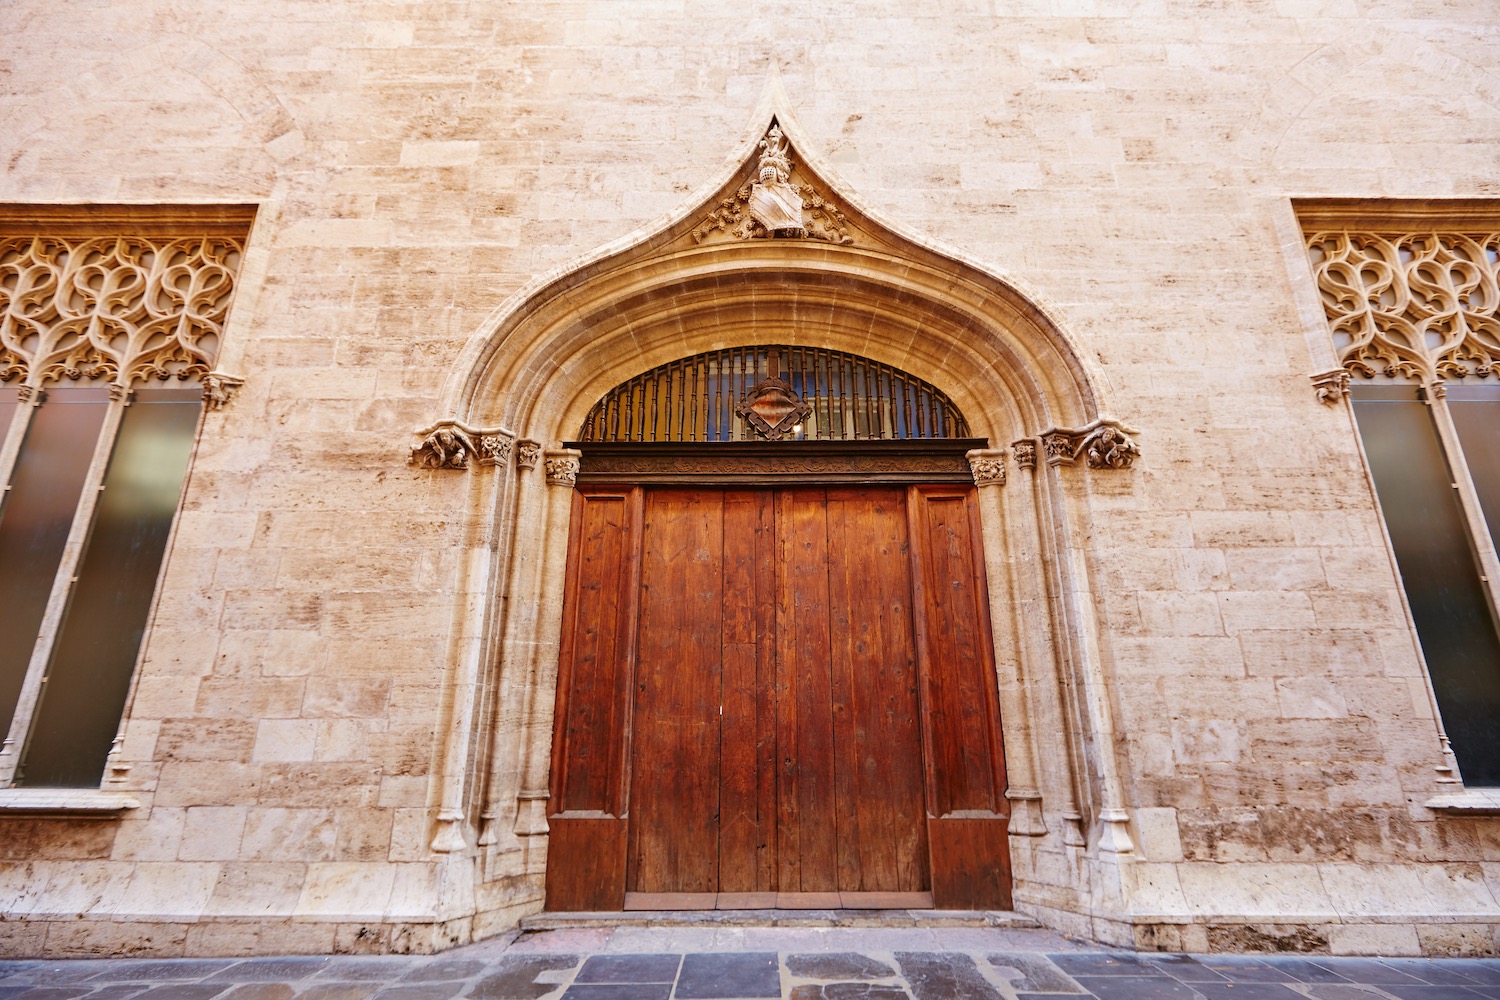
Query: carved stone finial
column 1103, row 444
column 987, row 465
column 1025, row 452
column 219, row 388
column 561, row 467
column 1332, row 386
column 528, row 453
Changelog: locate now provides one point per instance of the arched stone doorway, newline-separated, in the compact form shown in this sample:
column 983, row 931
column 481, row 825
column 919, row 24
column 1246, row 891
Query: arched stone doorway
column 707, row 279
column 776, row 681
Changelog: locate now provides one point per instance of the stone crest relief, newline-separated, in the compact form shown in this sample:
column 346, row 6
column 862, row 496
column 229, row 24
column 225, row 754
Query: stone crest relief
column 778, row 204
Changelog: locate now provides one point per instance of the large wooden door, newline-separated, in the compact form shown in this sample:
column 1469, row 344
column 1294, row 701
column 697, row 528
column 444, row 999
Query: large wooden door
column 767, row 656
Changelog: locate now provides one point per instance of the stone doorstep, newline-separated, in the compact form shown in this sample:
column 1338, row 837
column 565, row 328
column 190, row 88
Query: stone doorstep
column 547, row 921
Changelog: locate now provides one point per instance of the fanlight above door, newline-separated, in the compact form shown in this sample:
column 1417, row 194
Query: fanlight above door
column 773, row 393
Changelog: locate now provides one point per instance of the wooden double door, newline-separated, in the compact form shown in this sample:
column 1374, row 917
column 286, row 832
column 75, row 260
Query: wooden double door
column 776, row 697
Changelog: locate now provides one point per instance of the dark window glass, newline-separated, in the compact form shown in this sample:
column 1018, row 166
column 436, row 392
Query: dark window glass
column 1430, row 538
column 35, row 522
column 89, row 675
column 1476, row 412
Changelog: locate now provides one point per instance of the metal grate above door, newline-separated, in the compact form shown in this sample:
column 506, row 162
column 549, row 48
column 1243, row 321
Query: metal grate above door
column 721, row 396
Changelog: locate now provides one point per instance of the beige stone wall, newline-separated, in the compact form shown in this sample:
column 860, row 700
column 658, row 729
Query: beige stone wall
column 324, row 665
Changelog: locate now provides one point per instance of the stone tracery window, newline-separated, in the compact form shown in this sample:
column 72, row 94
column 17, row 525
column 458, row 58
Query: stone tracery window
column 110, row 321
column 1415, row 316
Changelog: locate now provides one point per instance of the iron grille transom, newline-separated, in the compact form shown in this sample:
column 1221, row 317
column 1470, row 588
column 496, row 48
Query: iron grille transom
column 705, row 398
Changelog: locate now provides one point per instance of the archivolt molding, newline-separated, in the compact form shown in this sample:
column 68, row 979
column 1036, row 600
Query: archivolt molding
column 851, row 280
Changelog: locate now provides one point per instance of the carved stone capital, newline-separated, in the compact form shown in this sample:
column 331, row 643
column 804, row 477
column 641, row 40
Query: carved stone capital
column 30, row 394
column 1331, row 386
column 531, row 812
column 1103, row 444
column 988, row 466
column 528, row 453
column 1025, row 452
column 451, row 445
column 219, row 388
column 1114, row 832
column 450, row 833
column 561, row 467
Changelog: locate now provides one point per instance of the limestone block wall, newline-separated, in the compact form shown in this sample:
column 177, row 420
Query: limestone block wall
column 299, row 714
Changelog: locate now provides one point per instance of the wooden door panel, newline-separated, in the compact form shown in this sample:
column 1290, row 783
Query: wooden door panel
column 598, row 644
column 807, row 850
column 674, row 801
column 878, row 767
column 953, row 641
column 747, row 792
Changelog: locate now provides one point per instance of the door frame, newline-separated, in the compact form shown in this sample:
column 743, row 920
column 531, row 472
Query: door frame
column 968, row 849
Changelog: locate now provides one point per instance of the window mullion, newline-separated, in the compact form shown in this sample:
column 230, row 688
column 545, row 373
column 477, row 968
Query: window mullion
column 62, row 588
column 13, row 436
column 1468, row 496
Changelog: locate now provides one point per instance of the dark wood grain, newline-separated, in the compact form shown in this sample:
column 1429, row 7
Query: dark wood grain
column 879, row 774
column 586, row 863
column 970, row 863
column 966, row 766
column 674, row 800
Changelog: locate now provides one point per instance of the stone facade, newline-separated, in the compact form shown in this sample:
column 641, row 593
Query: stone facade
column 473, row 219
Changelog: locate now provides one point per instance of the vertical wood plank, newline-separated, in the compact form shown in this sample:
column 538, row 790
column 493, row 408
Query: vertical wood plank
column 962, row 709
column 747, row 734
column 808, row 827
column 596, row 654
column 674, row 802
column 879, row 774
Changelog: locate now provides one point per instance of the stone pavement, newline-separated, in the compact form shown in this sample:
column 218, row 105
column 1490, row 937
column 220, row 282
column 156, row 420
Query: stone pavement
column 805, row 963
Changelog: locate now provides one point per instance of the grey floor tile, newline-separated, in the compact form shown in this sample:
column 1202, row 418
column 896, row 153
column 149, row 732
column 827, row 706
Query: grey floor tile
column 1184, row 968
column 1435, row 971
column 728, row 974
column 341, row 991
column 1138, row 988
column 835, row 965
column 423, row 991
column 628, row 968
column 1252, row 991
column 271, row 970
column 936, row 975
column 185, row 991
column 364, row 968
column 849, row 991
column 1032, row 973
column 618, row 991
column 438, row 970
column 1102, row 963
column 1481, row 970
column 1366, row 970
column 161, row 970
column 261, row 991
column 513, row 977
column 1446, row 991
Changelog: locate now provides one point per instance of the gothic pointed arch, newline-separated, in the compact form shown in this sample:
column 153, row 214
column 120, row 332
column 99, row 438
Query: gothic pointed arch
column 836, row 275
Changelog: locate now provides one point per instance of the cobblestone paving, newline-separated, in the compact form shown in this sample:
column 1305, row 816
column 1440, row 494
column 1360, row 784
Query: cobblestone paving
column 490, row 972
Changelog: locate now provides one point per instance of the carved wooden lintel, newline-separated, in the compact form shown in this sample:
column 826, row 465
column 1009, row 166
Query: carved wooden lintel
column 219, row 388
column 925, row 460
column 988, row 466
column 1103, row 444
column 1331, row 386
column 450, row 444
column 560, row 466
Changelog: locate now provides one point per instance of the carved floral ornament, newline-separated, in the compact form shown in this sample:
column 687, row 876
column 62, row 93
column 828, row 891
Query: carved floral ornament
column 122, row 309
column 1420, row 306
column 776, row 204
